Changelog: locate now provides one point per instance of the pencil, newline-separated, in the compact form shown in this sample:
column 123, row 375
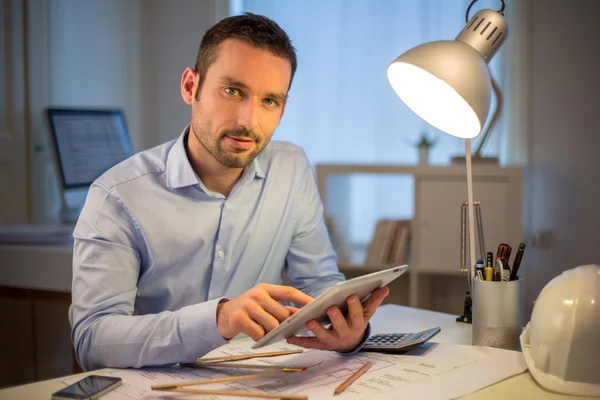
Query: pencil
column 220, row 380
column 262, row 395
column 247, row 356
column 246, row 366
column 352, row 378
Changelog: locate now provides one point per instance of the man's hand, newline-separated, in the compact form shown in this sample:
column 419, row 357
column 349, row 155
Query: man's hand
column 345, row 333
column 258, row 311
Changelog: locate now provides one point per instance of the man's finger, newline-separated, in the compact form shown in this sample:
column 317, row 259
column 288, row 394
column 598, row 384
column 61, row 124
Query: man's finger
column 248, row 327
column 261, row 317
column 370, row 306
column 277, row 310
column 338, row 321
column 287, row 293
column 322, row 334
column 293, row 310
column 308, row 343
column 355, row 313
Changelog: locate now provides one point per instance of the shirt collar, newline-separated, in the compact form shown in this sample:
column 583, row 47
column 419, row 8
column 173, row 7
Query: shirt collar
column 180, row 172
column 258, row 171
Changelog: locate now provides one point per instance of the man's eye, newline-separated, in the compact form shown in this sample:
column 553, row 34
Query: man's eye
column 271, row 102
column 232, row 91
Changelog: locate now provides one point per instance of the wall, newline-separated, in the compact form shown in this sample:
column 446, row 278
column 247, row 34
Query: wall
column 80, row 54
column 94, row 56
column 169, row 43
column 128, row 69
column 110, row 53
column 14, row 166
column 563, row 193
column 128, row 54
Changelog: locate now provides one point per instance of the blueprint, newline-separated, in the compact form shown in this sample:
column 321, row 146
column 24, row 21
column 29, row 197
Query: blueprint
column 434, row 371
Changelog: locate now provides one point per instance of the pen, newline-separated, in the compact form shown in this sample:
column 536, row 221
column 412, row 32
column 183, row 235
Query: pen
column 503, row 269
column 503, row 251
column 517, row 262
column 489, row 274
column 497, row 270
column 352, row 378
column 479, row 269
column 489, row 270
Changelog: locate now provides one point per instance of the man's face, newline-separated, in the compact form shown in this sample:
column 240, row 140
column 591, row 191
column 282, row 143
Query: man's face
column 240, row 102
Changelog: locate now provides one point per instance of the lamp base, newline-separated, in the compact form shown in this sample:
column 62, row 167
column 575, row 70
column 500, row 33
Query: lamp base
column 467, row 316
column 461, row 160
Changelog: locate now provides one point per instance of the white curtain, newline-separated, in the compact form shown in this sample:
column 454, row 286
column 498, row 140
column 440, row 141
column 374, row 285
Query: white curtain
column 514, row 74
column 342, row 108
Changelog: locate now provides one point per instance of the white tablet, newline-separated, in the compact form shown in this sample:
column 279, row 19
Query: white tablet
column 336, row 295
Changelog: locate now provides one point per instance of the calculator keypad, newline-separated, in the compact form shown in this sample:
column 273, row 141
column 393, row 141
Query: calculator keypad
column 388, row 339
column 398, row 342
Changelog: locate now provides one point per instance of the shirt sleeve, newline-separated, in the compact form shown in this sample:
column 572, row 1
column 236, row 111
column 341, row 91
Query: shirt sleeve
column 362, row 342
column 106, row 267
column 311, row 262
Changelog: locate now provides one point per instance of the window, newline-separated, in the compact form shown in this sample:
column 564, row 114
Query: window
column 341, row 107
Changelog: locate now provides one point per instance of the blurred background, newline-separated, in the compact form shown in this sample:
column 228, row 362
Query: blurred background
column 385, row 201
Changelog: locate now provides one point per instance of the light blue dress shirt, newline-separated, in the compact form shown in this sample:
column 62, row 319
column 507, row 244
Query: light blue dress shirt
column 155, row 251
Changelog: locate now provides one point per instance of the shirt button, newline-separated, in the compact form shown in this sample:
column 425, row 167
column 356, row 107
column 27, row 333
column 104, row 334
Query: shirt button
column 220, row 253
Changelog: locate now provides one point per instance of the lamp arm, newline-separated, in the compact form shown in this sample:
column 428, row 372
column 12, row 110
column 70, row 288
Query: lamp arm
column 495, row 113
column 501, row 10
column 471, row 217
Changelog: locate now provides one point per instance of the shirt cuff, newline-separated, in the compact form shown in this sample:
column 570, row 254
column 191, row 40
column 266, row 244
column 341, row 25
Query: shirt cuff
column 362, row 342
column 198, row 329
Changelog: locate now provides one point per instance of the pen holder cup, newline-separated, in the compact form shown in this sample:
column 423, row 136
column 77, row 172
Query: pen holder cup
column 496, row 314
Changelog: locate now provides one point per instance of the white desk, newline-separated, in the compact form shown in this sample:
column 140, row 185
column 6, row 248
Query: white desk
column 35, row 294
column 388, row 318
column 37, row 267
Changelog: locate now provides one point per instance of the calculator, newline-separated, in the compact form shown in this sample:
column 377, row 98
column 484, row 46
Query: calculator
column 398, row 342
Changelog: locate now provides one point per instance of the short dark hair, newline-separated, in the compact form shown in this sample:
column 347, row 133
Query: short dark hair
column 255, row 30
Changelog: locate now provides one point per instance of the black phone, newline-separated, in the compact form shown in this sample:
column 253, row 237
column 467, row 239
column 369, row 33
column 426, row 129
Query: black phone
column 89, row 388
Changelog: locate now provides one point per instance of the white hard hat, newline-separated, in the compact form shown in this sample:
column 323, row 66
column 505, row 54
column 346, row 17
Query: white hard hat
column 561, row 343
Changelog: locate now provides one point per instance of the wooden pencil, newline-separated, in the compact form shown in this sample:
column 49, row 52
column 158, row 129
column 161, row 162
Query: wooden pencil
column 248, row 356
column 246, row 366
column 262, row 395
column 352, row 378
column 220, row 380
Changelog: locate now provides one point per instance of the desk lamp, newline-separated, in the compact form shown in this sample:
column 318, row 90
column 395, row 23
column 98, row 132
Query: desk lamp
column 447, row 83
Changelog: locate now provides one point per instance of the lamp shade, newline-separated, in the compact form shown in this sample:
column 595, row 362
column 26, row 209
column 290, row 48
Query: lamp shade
column 447, row 83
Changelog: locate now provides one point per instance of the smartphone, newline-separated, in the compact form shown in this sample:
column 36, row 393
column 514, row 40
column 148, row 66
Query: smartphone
column 89, row 388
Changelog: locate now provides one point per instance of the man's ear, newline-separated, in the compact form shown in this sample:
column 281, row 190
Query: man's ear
column 283, row 109
column 189, row 82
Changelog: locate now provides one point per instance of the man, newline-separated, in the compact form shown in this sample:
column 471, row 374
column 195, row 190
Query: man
column 182, row 247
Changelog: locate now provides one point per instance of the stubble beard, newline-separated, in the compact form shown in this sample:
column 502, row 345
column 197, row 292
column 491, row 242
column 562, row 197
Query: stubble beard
column 238, row 158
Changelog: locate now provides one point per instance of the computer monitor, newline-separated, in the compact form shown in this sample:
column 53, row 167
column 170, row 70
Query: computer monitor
column 86, row 143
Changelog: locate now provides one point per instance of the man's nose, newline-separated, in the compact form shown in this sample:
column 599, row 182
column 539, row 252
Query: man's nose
column 248, row 115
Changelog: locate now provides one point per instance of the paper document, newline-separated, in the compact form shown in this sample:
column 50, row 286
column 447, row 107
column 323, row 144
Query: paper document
column 435, row 371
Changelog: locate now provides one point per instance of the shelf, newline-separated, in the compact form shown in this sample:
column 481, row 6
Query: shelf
column 367, row 268
column 435, row 244
column 458, row 171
